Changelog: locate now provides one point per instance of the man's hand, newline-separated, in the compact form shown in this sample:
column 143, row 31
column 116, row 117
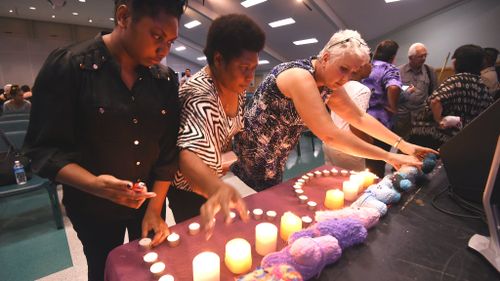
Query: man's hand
column 119, row 191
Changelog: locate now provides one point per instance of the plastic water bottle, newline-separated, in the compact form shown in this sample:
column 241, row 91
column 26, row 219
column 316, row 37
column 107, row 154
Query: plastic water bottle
column 19, row 173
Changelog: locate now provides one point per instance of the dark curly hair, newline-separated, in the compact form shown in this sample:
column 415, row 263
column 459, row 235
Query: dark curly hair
column 386, row 51
column 469, row 58
column 151, row 8
column 230, row 35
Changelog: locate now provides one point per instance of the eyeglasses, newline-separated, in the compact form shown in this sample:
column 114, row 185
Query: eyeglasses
column 347, row 40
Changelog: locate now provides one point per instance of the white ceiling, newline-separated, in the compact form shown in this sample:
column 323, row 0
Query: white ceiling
column 372, row 18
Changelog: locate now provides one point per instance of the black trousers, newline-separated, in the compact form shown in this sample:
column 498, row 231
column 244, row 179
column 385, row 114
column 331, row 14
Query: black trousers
column 184, row 204
column 377, row 166
column 99, row 237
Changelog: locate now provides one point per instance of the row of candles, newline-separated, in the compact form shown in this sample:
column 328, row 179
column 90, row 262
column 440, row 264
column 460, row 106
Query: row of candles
column 238, row 254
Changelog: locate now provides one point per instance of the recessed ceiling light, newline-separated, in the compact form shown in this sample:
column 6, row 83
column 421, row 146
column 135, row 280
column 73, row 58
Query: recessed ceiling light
column 306, row 41
column 390, row 1
column 90, row 20
column 11, row 11
column 282, row 22
column 32, row 8
column 180, row 48
column 83, row 1
column 250, row 3
column 201, row 58
column 53, row 16
column 112, row 19
column 74, row 14
column 263, row 61
column 192, row 24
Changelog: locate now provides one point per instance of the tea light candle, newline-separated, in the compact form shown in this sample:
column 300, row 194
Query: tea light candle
column 290, row 223
column 297, row 183
column 145, row 243
column 266, row 235
column 306, row 220
column 299, row 192
column 297, row 186
column 194, row 228
column 350, row 190
column 310, row 174
column 271, row 215
column 334, row 172
column 157, row 268
column 326, row 173
column 206, row 267
column 150, row 257
column 344, row 173
column 232, row 215
column 303, row 199
column 302, row 181
column 238, row 257
column 173, row 239
column 166, row 277
column 257, row 214
column 334, row 199
column 305, row 177
column 318, row 173
column 311, row 205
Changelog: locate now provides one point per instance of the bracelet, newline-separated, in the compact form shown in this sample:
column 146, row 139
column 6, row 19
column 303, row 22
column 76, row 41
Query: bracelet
column 397, row 143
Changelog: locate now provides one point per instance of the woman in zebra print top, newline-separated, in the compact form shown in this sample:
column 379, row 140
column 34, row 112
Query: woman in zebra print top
column 211, row 114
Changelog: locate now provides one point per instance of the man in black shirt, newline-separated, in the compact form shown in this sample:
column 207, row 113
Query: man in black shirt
column 105, row 115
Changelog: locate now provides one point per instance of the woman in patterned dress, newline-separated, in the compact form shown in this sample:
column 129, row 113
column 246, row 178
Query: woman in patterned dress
column 212, row 102
column 293, row 97
column 462, row 95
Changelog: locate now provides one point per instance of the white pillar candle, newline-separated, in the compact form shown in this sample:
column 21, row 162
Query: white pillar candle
column 173, row 239
column 311, row 205
column 145, row 243
column 271, row 215
column 238, row 256
column 358, row 180
column 289, row 224
column 257, row 214
column 194, row 228
column 334, row 199
column 157, row 268
column 266, row 235
column 350, row 189
column 166, row 277
column 150, row 257
column 368, row 178
column 303, row 199
column 206, row 267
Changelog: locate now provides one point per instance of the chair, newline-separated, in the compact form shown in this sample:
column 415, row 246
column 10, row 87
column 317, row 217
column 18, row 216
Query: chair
column 14, row 125
column 15, row 116
column 16, row 138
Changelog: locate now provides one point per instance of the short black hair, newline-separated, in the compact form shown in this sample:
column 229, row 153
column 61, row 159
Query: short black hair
column 230, row 35
column 469, row 58
column 386, row 51
column 25, row 88
column 490, row 56
column 14, row 90
column 151, row 8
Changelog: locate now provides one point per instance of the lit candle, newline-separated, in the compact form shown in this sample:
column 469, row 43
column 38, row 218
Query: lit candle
column 318, row 173
column 157, row 268
column 290, row 223
column 238, row 257
column 150, row 257
column 334, row 171
column 297, row 183
column 266, row 235
column 299, row 192
column 271, row 215
column 326, row 173
column 166, row 277
column 232, row 215
column 194, row 228
column 145, row 243
column 257, row 214
column 301, row 181
column 297, row 186
column 173, row 239
column 310, row 174
column 306, row 220
column 368, row 178
column 206, row 267
column 350, row 189
column 311, row 205
column 303, row 199
column 304, row 177
column 334, row 199
column 344, row 173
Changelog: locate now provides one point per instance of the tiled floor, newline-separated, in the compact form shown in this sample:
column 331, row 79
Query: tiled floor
column 311, row 157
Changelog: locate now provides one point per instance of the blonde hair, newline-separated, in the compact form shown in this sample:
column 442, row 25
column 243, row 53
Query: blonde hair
column 346, row 42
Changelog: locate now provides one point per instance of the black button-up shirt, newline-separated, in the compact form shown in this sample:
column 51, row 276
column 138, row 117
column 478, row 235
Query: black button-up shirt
column 83, row 113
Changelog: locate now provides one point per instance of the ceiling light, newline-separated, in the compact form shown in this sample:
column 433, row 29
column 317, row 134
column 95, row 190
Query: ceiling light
column 90, row 20
column 306, row 41
column 250, row 3
column 180, row 48
column 11, row 11
column 83, row 1
column 282, row 22
column 263, row 61
column 390, row 1
column 32, row 8
column 192, row 24
column 53, row 16
column 112, row 19
column 75, row 14
column 201, row 58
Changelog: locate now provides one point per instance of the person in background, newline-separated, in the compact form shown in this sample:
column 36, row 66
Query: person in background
column 421, row 81
column 105, row 115
column 385, row 84
column 186, row 76
column 212, row 113
column 456, row 102
column 293, row 97
column 26, row 92
column 360, row 95
column 488, row 73
column 17, row 103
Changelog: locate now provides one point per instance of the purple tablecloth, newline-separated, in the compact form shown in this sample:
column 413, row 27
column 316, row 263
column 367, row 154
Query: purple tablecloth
column 125, row 262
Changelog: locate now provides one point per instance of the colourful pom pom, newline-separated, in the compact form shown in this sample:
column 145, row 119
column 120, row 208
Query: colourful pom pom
column 367, row 216
column 405, row 184
column 428, row 165
column 384, row 191
column 368, row 200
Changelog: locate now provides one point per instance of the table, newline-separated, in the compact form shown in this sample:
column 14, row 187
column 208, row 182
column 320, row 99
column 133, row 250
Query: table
column 413, row 241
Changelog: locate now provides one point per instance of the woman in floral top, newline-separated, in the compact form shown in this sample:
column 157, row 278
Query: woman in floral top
column 293, row 97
